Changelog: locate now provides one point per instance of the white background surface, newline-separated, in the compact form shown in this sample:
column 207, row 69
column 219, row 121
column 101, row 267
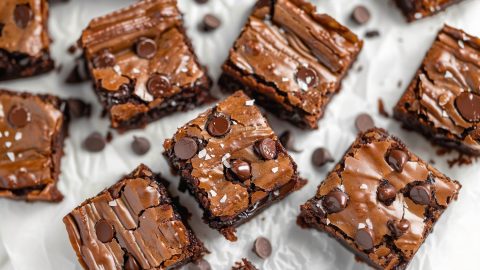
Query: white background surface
column 32, row 236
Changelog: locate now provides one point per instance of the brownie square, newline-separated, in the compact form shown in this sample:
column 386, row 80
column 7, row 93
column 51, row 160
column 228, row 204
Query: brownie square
column 134, row 224
column 232, row 162
column 381, row 201
column 291, row 60
column 442, row 101
column 32, row 131
column 24, row 40
column 414, row 10
column 143, row 64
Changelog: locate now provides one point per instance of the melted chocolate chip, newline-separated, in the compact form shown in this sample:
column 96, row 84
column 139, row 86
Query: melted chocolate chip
column 364, row 238
column 104, row 59
column 158, row 85
column 306, row 78
column 266, row 148
column 22, row 15
column 104, row 231
column 361, row 15
column 364, row 122
column 146, row 48
column 468, row 105
column 397, row 159
column 335, row 201
column 209, row 23
column 262, row 247
column 241, row 169
column 200, row 264
column 318, row 209
column 185, row 148
column 131, row 263
column 321, row 156
column 18, row 117
column 398, row 227
column 386, row 193
column 218, row 125
column 421, row 194
column 95, row 142
column 140, row 145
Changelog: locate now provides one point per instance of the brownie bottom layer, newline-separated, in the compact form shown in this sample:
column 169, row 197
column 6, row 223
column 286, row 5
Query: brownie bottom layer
column 17, row 65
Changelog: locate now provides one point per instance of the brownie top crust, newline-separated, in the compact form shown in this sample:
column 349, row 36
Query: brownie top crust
column 29, row 130
column 23, row 26
column 418, row 9
column 303, row 54
column 235, row 163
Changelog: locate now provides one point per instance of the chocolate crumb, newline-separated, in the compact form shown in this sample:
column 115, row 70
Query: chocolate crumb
column 372, row 34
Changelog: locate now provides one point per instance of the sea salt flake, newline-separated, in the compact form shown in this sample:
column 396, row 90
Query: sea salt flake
column 225, row 157
column 213, row 193
column 223, row 199
column 418, row 15
column 461, row 44
column 8, row 144
column 117, row 69
column 448, row 75
column 202, row 153
column 361, row 226
column 18, row 136
column 285, row 79
column 6, row 133
column 276, row 192
column 208, row 157
column 327, row 221
column 112, row 203
column 363, row 186
column 250, row 102
column 275, row 169
column 369, row 223
column 11, row 156
column 303, row 85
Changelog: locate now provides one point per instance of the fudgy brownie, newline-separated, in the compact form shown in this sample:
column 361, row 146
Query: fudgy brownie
column 442, row 102
column 132, row 225
column 32, row 131
column 417, row 9
column 291, row 60
column 143, row 64
column 232, row 162
column 24, row 39
column 380, row 201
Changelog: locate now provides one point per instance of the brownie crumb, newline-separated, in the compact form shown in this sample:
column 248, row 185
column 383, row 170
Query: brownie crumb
column 461, row 159
column 372, row 34
column 244, row 265
column 381, row 109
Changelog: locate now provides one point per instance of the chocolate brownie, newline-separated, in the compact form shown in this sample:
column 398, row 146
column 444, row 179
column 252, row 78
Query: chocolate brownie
column 143, row 64
column 418, row 9
column 244, row 264
column 24, row 39
column 442, row 101
column 232, row 162
column 132, row 225
column 381, row 201
column 291, row 60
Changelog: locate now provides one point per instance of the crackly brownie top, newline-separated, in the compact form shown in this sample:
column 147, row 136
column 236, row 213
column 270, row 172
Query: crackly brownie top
column 303, row 54
column 383, row 197
column 235, row 158
column 448, row 85
column 28, row 127
column 417, row 9
column 131, row 224
column 23, row 26
column 143, row 45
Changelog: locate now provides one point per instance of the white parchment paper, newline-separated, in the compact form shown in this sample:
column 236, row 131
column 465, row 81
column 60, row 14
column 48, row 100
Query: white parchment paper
column 32, row 236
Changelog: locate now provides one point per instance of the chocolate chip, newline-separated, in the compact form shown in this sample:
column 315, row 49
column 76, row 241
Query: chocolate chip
column 158, row 85
column 468, row 105
column 200, row 264
column 72, row 49
column 397, row 159
column 398, row 227
column 288, row 141
column 241, row 169
column 218, row 125
column 421, row 194
column 364, row 238
column 321, row 156
column 335, row 201
column 104, row 231
column 372, row 34
column 266, row 148
column 104, row 59
column 22, row 15
column 79, row 72
column 146, row 48
column 364, row 122
column 185, row 148
column 306, row 78
column 78, row 108
column 95, row 142
column 131, row 263
column 209, row 23
column 262, row 247
column 386, row 193
column 18, row 117
column 361, row 15
column 140, row 145
column 201, row 1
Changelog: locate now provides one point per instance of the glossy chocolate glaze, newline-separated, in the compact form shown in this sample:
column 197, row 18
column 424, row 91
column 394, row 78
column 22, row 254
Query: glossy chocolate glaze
column 418, row 9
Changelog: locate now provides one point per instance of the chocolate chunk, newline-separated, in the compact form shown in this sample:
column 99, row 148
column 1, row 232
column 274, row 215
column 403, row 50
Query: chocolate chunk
column 79, row 72
column 335, row 201
column 146, row 48
column 78, row 108
column 421, row 194
column 218, row 125
column 364, row 238
column 306, row 78
column 386, row 193
column 241, row 169
column 22, row 15
column 158, row 85
column 131, row 263
column 288, row 141
column 209, row 23
column 372, row 33
column 104, row 231
column 95, row 142
column 468, row 105
column 18, row 117
column 321, row 156
column 185, row 148
column 140, row 145
column 266, row 148
column 364, row 122
column 361, row 15
column 200, row 264
column 201, row 1
column 104, row 59
column 397, row 159
column 262, row 247
column 398, row 227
